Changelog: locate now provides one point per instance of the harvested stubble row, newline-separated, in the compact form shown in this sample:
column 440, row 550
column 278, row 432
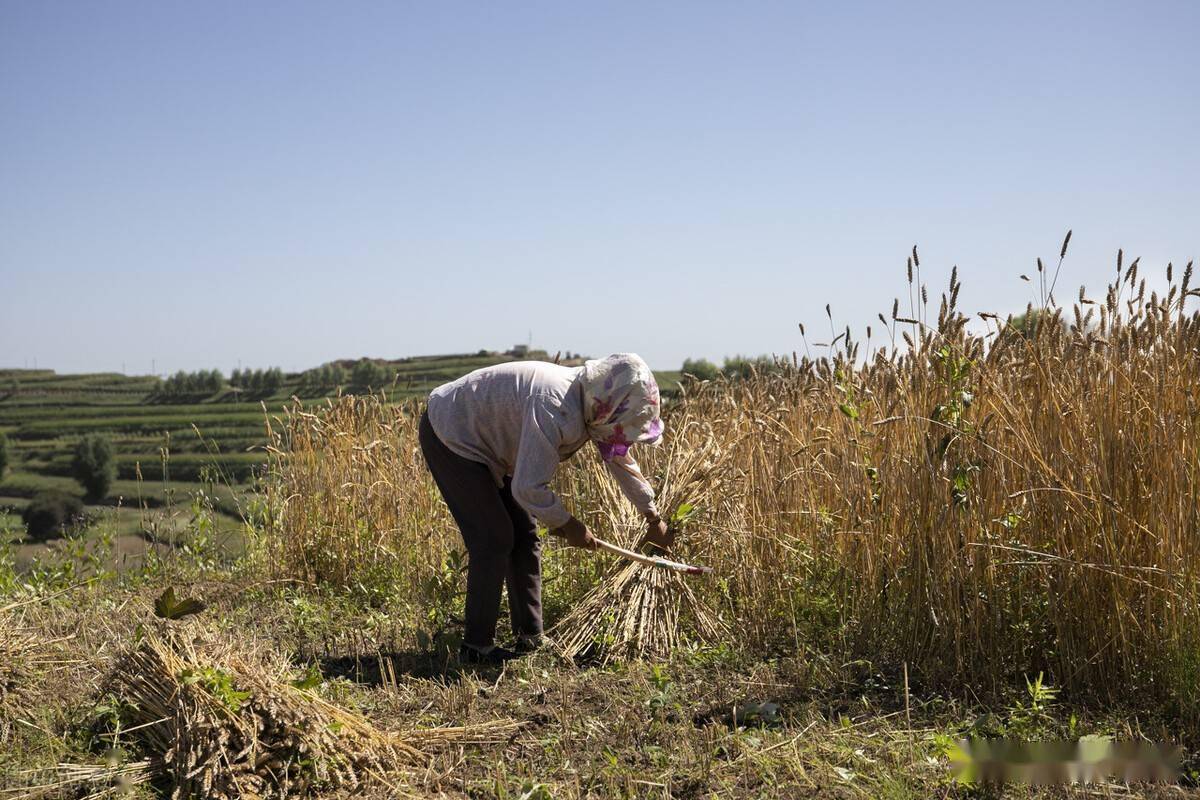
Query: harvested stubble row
column 219, row 724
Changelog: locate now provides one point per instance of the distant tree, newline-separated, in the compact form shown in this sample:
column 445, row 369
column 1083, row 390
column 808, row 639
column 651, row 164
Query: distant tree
column 1027, row 324
column 273, row 379
column 177, row 383
column 214, row 381
column 368, row 374
column 701, row 368
column 337, row 375
column 235, row 378
column 50, row 513
column 94, row 466
column 3, row 454
column 743, row 366
column 360, row 373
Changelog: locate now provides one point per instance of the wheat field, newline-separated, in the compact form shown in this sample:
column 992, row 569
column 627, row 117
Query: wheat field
column 970, row 497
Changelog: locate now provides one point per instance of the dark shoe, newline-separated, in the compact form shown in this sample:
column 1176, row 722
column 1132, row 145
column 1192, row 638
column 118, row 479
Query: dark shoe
column 493, row 657
column 524, row 645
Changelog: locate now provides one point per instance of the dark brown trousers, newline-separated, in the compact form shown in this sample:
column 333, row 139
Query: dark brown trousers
column 501, row 539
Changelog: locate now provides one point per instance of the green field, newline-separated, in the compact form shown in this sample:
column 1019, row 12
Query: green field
column 178, row 444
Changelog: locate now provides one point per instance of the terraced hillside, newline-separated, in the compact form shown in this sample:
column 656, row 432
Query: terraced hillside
column 172, row 442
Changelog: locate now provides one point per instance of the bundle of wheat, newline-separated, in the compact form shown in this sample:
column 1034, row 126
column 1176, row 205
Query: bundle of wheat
column 638, row 610
column 223, row 726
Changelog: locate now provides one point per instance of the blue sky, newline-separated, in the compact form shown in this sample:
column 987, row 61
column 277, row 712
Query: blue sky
column 200, row 184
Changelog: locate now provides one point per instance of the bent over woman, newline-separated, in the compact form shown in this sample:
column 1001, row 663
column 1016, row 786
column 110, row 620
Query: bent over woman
column 493, row 440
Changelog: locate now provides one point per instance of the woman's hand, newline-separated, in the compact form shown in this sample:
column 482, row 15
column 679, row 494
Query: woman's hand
column 576, row 534
column 658, row 534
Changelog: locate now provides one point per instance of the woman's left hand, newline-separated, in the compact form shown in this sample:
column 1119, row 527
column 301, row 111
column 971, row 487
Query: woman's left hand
column 658, row 534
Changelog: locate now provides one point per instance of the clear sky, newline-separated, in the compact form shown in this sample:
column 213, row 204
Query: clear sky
column 283, row 183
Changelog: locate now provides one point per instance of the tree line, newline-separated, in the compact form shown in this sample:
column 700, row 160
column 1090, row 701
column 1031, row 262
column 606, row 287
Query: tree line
column 365, row 374
column 211, row 381
column 734, row 367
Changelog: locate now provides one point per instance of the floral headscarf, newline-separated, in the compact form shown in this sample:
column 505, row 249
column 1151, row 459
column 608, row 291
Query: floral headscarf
column 620, row 403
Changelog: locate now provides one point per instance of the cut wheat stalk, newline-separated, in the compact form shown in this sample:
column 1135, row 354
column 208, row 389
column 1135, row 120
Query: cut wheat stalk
column 85, row 781
column 638, row 609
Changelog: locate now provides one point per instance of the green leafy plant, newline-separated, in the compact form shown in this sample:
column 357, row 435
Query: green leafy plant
column 168, row 606
column 442, row 591
column 310, row 680
column 663, row 697
column 682, row 514
column 216, row 682
column 1033, row 715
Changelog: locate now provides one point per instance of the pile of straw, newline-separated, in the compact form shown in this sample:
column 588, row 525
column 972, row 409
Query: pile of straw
column 85, row 781
column 224, row 726
column 640, row 611
column 19, row 664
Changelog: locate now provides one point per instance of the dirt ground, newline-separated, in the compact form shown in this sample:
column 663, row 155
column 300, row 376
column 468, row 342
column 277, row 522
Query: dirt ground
column 708, row 724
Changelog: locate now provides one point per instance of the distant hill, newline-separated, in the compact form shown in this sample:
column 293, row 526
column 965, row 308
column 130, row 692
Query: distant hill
column 150, row 421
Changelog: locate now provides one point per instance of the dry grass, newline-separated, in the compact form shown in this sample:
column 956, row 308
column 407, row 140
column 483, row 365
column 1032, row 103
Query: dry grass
column 354, row 498
column 31, row 661
column 977, row 501
column 18, row 672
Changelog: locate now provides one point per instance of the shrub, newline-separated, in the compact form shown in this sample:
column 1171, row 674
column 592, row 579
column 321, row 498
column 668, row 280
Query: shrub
column 368, row 374
column 1027, row 324
column 337, row 375
column 94, row 465
column 744, row 367
column 701, row 369
column 50, row 513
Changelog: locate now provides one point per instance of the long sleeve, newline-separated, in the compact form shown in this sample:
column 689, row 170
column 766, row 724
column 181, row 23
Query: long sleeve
column 537, row 460
column 633, row 484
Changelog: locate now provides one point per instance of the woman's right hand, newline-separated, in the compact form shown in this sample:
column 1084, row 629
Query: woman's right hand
column 576, row 534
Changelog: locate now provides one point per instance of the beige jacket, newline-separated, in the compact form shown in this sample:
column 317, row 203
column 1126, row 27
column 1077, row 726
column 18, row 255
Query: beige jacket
column 522, row 419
